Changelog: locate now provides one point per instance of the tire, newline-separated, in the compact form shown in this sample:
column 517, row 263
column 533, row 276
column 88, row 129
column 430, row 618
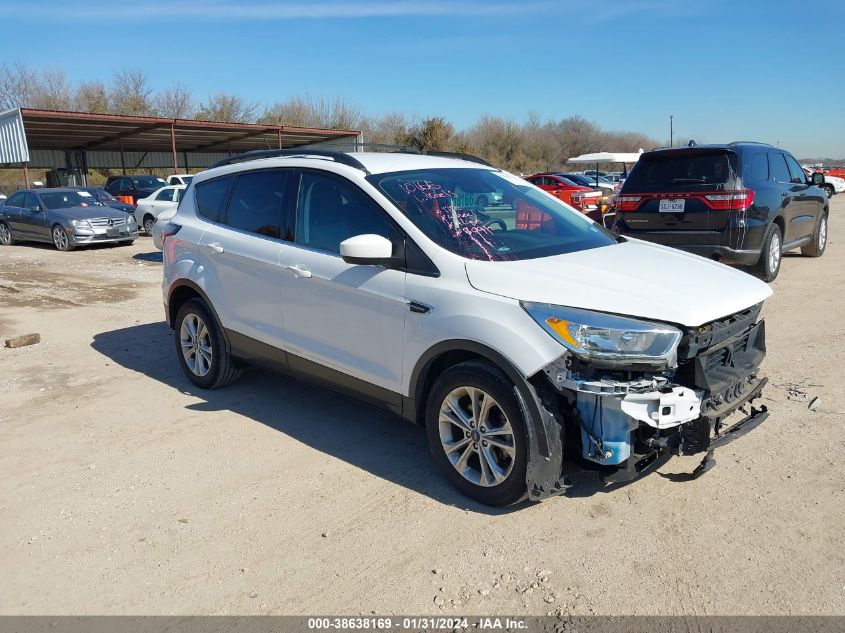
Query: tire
column 6, row 238
column 768, row 266
column 819, row 243
column 209, row 369
column 148, row 225
column 490, row 465
column 829, row 190
column 60, row 239
column 482, row 201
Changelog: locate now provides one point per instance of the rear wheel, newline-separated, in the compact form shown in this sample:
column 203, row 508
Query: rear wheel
column 201, row 348
column 6, row 238
column 817, row 246
column 768, row 266
column 60, row 239
column 476, row 433
column 148, row 225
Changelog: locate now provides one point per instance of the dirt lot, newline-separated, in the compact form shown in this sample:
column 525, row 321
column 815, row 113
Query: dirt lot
column 124, row 490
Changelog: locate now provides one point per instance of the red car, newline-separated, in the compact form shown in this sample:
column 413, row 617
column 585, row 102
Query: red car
column 584, row 199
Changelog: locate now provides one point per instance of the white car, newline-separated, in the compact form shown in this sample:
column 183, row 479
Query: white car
column 159, row 226
column 832, row 184
column 148, row 209
column 180, row 179
column 506, row 332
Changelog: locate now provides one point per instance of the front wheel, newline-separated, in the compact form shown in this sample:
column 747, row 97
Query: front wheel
column 829, row 190
column 477, row 434
column 60, row 239
column 817, row 246
column 768, row 266
column 201, row 348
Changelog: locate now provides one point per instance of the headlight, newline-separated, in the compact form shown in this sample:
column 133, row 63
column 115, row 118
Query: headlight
column 81, row 223
column 130, row 221
column 595, row 336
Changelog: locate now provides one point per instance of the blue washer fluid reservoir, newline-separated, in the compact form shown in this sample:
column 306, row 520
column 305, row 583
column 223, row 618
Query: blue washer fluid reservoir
column 603, row 420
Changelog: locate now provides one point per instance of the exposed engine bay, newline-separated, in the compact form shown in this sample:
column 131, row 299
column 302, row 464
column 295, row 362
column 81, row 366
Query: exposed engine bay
column 635, row 419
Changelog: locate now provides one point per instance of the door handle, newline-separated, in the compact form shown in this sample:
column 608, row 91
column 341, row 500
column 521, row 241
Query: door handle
column 215, row 247
column 299, row 270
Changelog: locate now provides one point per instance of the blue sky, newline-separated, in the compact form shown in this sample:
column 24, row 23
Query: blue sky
column 727, row 70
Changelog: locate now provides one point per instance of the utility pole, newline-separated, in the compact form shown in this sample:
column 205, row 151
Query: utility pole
column 671, row 131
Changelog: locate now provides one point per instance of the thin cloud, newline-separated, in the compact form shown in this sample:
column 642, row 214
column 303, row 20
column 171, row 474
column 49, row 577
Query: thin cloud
column 250, row 11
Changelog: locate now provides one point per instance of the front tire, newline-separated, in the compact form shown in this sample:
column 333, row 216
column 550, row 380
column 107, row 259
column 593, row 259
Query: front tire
column 60, row 239
column 768, row 266
column 6, row 238
column 829, row 190
column 477, row 433
column 201, row 348
column 819, row 243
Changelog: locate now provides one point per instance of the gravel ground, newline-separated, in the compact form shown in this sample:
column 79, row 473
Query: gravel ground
column 126, row 491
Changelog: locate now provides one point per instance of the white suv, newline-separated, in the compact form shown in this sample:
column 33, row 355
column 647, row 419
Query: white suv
column 508, row 331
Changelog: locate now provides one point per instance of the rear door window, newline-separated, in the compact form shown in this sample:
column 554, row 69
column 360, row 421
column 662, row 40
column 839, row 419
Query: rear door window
column 257, row 202
column 780, row 171
column 166, row 195
column 758, row 168
column 212, row 196
column 16, row 199
column 676, row 171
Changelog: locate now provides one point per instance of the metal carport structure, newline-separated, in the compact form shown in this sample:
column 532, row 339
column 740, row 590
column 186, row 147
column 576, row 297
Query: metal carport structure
column 81, row 141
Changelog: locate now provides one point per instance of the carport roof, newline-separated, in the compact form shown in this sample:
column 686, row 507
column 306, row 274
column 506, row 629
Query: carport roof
column 56, row 130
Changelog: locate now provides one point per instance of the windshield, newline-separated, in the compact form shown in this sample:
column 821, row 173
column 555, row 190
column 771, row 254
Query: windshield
column 65, row 199
column 102, row 195
column 148, row 182
column 443, row 204
column 187, row 179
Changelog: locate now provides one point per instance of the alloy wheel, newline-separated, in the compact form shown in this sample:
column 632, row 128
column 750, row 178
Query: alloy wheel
column 195, row 341
column 5, row 235
column 774, row 253
column 822, row 233
column 60, row 238
column 476, row 436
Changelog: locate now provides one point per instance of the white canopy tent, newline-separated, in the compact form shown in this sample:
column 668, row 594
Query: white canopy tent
column 625, row 158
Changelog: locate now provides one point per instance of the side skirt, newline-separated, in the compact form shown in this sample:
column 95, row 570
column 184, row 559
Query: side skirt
column 255, row 352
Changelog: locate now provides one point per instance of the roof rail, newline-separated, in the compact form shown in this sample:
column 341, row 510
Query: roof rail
column 459, row 156
column 340, row 157
column 749, row 143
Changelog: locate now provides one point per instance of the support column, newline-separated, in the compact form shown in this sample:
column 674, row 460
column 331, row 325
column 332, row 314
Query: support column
column 26, row 175
column 122, row 157
column 279, row 132
column 173, row 147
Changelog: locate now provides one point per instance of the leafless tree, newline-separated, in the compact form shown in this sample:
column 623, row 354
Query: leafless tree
column 130, row 93
column 228, row 108
column 176, row 102
column 91, row 96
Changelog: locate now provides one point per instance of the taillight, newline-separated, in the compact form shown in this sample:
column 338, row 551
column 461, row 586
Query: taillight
column 169, row 230
column 730, row 200
column 628, row 203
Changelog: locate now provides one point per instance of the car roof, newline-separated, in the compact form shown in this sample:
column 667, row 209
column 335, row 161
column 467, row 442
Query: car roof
column 730, row 147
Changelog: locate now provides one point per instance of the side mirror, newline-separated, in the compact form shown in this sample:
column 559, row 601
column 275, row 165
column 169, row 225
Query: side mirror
column 369, row 249
column 818, row 179
column 36, row 208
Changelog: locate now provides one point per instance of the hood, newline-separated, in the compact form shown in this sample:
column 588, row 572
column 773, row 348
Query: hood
column 86, row 213
column 633, row 278
column 128, row 208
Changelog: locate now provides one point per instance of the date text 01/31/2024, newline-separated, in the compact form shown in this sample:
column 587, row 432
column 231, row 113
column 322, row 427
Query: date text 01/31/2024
column 415, row 623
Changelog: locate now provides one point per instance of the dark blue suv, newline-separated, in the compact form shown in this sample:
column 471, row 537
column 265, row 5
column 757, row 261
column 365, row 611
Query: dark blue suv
column 740, row 203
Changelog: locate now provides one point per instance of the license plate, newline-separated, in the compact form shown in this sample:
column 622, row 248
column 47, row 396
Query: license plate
column 112, row 232
column 672, row 206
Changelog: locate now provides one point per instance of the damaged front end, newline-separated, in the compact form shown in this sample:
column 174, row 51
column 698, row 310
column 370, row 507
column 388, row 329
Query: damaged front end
column 632, row 419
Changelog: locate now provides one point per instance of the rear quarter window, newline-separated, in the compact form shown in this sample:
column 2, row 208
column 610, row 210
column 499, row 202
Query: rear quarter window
column 757, row 168
column 211, row 197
